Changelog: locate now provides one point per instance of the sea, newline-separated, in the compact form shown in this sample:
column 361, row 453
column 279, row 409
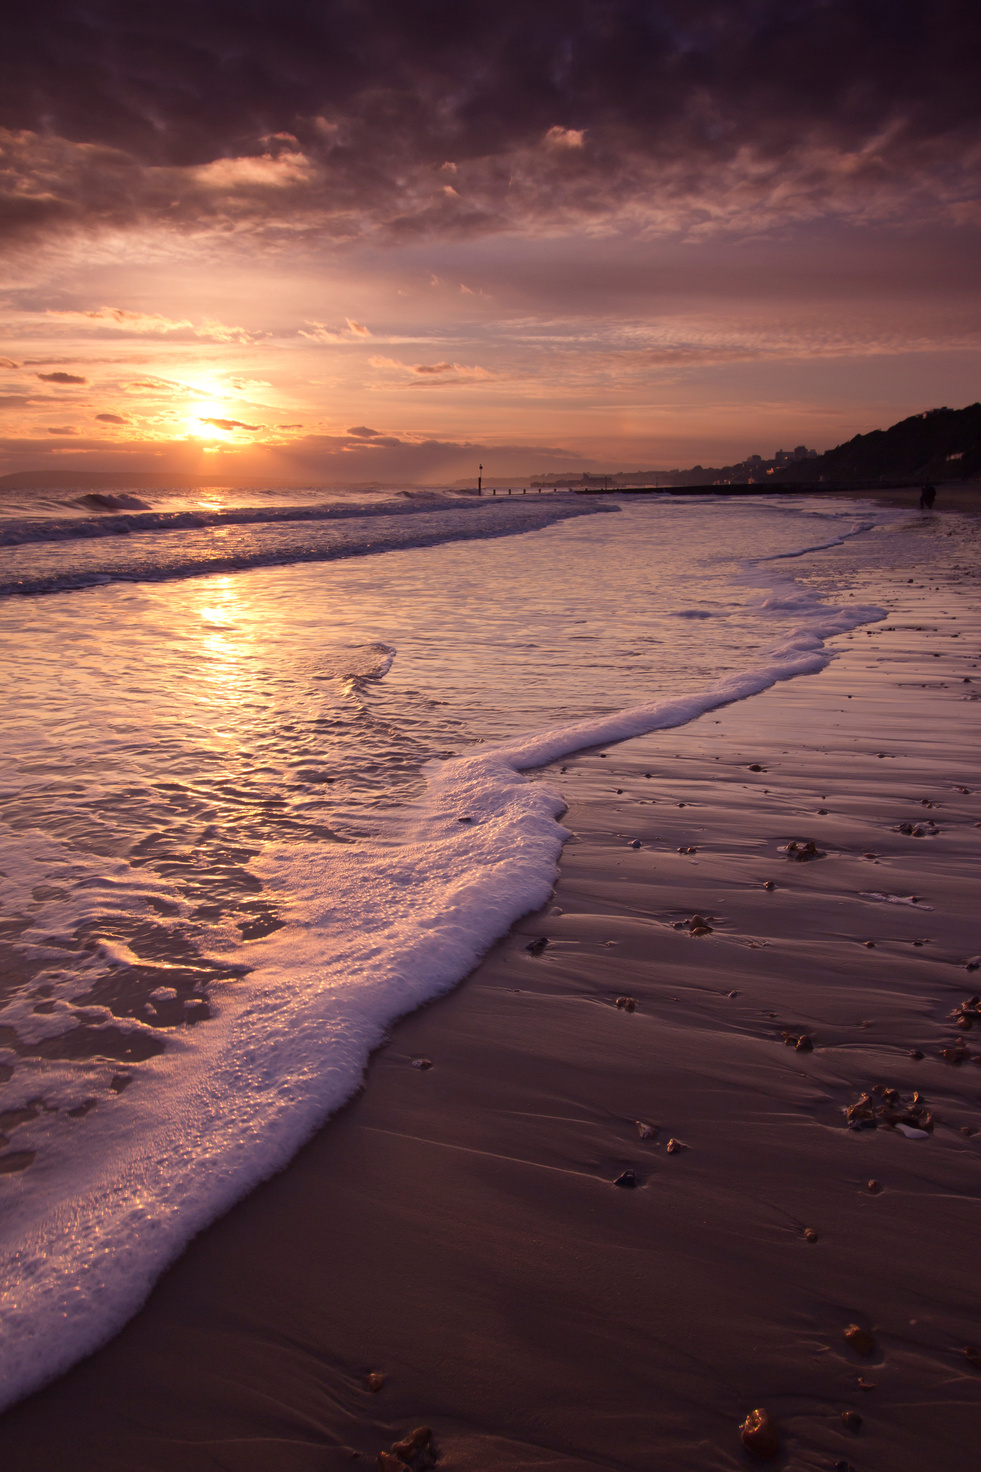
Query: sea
column 272, row 778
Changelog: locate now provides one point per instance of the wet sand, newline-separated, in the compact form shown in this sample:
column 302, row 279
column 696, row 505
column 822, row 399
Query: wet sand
column 457, row 1229
column 963, row 496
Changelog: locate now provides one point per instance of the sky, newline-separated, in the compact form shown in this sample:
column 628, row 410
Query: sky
column 348, row 242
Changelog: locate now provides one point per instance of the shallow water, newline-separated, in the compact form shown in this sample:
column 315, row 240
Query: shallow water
column 231, row 856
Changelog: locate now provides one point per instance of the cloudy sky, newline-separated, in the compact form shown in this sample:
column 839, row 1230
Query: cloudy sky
column 346, row 241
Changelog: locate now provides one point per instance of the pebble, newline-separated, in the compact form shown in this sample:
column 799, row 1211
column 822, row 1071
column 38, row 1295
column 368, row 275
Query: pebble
column 732, row 995
column 874, row 1187
column 375, row 1381
column 860, row 1340
column 759, row 1436
column 626, row 1179
column 646, row 1131
column 804, row 1044
column 769, row 884
column 870, row 945
column 674, row 1147
column 757, row 768
column 973, row 1356
column 422, row 1063
column 634, row 843
column 626, row 1004
column 866, row 1384
column 537, row 946
column 915, row 1053
column 415, row 1450
column 810, row 1235
column 852, row 1421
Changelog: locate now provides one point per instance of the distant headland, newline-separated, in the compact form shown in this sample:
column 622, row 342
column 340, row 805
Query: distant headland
column 939, row 445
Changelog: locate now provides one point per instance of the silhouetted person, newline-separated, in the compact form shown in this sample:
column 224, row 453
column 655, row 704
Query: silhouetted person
column 928, row 494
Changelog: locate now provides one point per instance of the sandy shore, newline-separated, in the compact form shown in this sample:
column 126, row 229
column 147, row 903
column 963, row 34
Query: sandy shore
column 457, row 1229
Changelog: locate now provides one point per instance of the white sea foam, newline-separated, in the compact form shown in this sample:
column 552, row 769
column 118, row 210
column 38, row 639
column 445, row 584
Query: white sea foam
column 375, row 929
column 855, row 530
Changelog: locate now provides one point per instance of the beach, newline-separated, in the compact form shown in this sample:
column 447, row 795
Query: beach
column 457, row 1229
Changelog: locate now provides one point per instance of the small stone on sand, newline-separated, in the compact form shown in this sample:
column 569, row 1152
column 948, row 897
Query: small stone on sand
column 769, row 884
column 874, row 1188
column 810, row 1235
column 732, row 995
column 422, row 1063
column 537, row 946
column 860, row 1340
column 626, row 1179
column 759, row 1436
column 852, row 1421
column 646, row 1131
column 634, row 843
column 674, row 1147
column 374, row 1381
column 626, row 1004
column 415, row 1450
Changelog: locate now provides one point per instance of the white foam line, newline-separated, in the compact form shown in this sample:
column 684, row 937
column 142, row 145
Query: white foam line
column 855, row 531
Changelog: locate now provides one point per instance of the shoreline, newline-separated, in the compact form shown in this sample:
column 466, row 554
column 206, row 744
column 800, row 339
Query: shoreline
column 456, row 1229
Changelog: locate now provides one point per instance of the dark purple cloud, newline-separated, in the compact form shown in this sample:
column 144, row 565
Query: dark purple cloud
column 112, row 419
column 60, row 377
column 229, row 424
column 345, row 114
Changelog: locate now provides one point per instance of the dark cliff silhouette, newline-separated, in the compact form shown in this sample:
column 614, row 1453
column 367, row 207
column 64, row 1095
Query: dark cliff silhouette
column 940, row 445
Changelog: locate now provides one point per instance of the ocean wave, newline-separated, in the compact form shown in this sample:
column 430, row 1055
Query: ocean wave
column 164, row 545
